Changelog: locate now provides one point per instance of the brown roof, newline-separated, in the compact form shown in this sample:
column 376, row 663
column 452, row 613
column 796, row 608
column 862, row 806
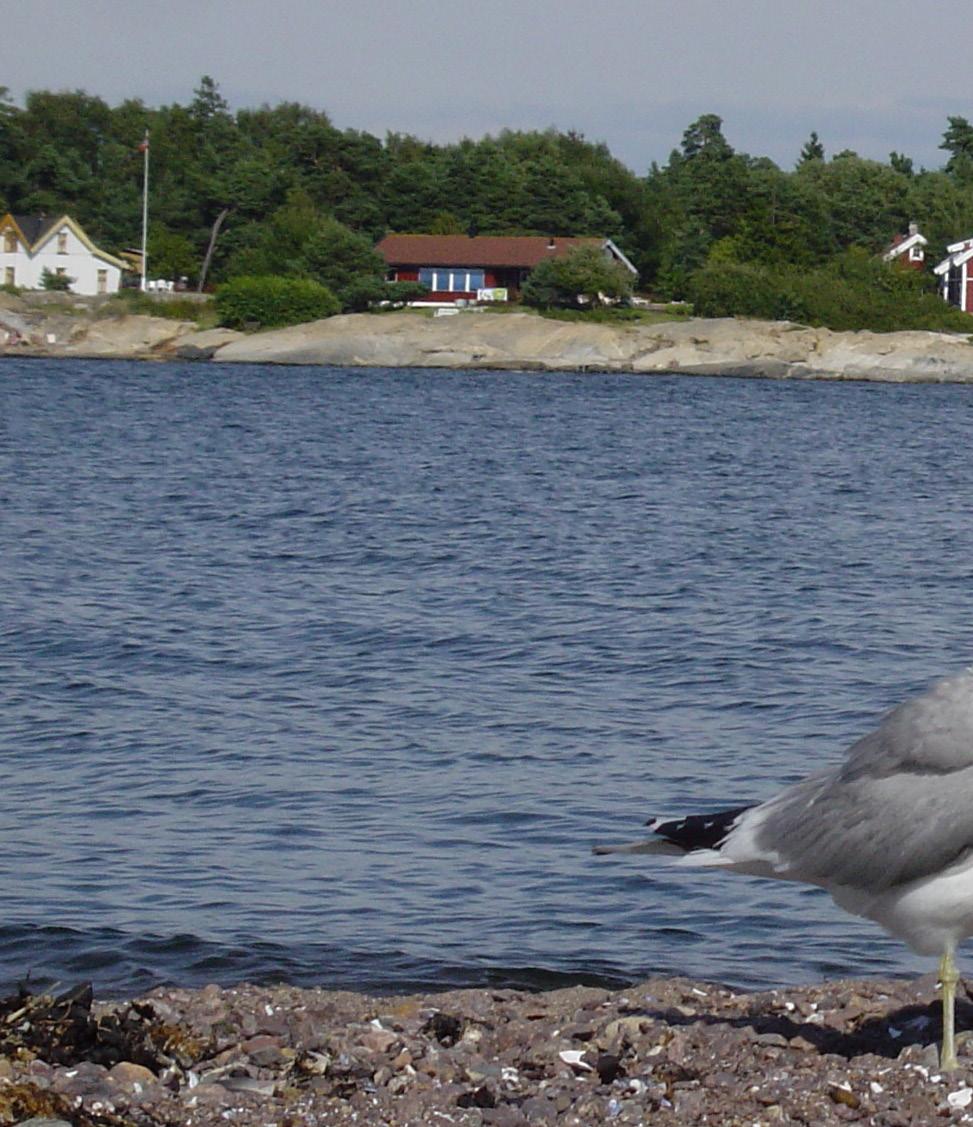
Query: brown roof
column 476, row 250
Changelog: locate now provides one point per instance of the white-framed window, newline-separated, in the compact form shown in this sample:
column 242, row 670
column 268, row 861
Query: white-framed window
column 10, row 241
column 103, row 281
column 915, row 254
column 10, row 276
column 451, row 279
column 62, row 242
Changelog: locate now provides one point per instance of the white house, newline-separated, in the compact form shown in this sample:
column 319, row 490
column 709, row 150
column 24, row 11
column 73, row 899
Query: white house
column 29, row 244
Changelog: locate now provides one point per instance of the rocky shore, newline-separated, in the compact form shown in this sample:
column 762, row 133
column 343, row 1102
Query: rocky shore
column 662, row 1052
column 507, row 341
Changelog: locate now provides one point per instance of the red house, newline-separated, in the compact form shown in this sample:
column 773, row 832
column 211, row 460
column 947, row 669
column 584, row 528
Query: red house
column 956, row 275
column 477, row 267
column 908, row 250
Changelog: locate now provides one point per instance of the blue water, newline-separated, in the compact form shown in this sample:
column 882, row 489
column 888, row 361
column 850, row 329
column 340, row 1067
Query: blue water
column 336, row 676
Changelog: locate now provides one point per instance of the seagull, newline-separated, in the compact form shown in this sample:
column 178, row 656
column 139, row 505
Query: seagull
column 888, row 832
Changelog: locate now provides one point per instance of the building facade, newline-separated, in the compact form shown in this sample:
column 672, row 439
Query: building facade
column 31, row 244
column 956, row 276
column 477, row 267
column 908, row 250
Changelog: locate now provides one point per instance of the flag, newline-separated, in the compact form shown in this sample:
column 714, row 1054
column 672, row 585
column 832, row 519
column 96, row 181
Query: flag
column 144, row 146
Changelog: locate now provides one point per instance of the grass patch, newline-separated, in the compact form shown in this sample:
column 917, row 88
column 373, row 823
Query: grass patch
column 620, row 315
column 173, row 309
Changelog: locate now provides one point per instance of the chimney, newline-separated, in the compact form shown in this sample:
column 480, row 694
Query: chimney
column 913, row 228
column 551, row 243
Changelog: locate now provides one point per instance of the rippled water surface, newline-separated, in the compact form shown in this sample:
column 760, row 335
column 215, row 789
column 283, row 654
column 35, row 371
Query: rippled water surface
column 336, row 676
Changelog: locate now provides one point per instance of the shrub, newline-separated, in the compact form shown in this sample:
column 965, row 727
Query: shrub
column 55, row 283
column 576, row 279
column 398, row 294
column 271, row 301
column 854, row 291
column 729, row 289
column 368, row 293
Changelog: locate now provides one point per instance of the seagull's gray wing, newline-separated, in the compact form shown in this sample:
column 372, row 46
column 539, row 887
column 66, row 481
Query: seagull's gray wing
column 899, row 808
column 930, row 734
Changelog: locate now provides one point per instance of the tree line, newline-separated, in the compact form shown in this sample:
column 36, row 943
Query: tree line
column 272, row 190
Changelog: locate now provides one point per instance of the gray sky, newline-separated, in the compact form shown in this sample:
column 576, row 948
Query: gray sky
column 869, row 75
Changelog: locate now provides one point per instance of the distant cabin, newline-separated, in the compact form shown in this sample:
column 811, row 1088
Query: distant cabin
column 29, row 244
column 908, row 250
column 955, row 276
column 478, row 267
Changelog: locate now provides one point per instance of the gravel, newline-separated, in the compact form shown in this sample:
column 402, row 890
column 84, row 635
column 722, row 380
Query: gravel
column 662, row 1052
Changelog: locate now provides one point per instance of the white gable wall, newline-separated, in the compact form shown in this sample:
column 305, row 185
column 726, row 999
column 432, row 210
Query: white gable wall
column 18, row 261
column 70, row 255
column 77, row 262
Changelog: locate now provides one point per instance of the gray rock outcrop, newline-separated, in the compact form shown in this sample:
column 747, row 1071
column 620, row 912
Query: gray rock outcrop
column 515, row 341
column 522, row 341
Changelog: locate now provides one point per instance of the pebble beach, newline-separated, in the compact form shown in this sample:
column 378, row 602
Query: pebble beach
column 662, row 1051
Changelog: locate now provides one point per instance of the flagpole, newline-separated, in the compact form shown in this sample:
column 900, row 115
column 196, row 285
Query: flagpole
column 145, row 205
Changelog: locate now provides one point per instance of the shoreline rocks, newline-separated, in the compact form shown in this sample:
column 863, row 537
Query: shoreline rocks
column 521, row 341
column 509, row 341
column 664, row 1051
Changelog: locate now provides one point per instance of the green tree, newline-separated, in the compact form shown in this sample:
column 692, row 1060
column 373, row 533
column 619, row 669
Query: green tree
column 342, row 260
column 958, row 142
column 171, row 255
column 703, row 197
column 576, row 279
column 12, row 151
column 866, row 202
column 445, row 223
column 417, row 197
column 704, row 139
column 943, row 208
column 275, row 246
column 812, row 150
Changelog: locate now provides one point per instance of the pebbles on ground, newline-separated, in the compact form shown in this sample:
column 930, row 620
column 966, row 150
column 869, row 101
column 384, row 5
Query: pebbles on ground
column 664, row 1051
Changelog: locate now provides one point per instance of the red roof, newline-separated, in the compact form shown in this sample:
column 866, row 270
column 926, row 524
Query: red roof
column 476, row 250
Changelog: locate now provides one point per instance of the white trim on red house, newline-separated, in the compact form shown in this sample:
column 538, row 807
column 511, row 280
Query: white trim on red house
column 911, row 243
column 609, row 245
column 914, row 243
column 957, row 258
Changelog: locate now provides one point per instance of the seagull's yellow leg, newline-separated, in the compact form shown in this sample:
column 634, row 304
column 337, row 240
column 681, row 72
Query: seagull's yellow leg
column 948, row 977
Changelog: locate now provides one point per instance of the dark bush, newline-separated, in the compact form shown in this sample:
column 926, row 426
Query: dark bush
column 56, row 283
column 271, row 301
column 576, row 279
column 398, row 294
column 854, row 291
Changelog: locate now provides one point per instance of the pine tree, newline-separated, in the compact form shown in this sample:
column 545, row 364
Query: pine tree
column 813, row 150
